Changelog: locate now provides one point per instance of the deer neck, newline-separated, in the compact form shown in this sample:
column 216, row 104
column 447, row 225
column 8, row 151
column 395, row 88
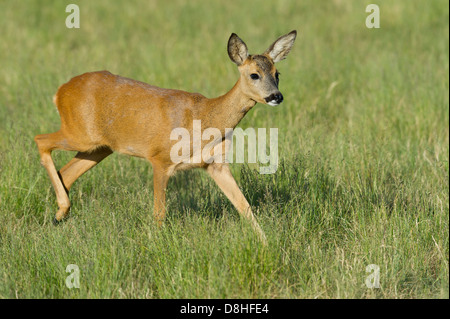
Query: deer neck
column 227, row 111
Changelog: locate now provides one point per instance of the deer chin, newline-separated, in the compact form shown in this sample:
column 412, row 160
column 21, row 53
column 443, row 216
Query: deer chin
column 273, row 103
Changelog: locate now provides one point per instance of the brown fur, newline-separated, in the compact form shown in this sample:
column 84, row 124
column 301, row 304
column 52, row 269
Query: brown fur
column 102, row 113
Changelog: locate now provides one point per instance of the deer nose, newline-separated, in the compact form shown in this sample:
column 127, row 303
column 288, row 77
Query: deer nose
column 274, row 99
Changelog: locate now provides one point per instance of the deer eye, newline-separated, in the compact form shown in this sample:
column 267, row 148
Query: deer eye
column 254, row 76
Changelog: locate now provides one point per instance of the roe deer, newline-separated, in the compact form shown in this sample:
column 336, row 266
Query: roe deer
column 102, row 113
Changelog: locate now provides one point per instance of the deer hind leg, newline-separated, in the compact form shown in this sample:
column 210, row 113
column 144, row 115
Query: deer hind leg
column 221, row 174
column 46, row 144
column 81, row 163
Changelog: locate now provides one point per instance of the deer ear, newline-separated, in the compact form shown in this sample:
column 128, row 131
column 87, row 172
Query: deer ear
column 281, row 47
column 237, row 50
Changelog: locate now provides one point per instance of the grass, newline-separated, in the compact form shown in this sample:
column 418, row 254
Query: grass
column 363, row 146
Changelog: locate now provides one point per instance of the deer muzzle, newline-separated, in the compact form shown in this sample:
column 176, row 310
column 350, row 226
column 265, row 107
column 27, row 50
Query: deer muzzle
column 274, row 99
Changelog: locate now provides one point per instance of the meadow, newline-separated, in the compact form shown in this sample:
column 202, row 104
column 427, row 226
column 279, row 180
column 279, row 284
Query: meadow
column 363, row 147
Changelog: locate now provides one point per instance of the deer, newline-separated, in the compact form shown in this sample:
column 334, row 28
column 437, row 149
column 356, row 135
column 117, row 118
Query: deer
column 102, row 113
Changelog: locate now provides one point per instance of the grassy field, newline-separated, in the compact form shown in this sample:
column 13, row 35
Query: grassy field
column 363, row 146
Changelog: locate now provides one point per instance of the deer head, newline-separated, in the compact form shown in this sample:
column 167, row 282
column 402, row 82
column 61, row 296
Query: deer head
column 258, row 74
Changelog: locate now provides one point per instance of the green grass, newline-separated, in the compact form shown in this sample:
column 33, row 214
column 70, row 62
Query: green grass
column 363, row 174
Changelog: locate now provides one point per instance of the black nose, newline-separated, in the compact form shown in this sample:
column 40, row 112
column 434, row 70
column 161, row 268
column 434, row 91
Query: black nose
column 277, row 97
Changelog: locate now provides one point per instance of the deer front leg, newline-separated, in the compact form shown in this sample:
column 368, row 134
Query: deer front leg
column 221, row 174
column 160, row 180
